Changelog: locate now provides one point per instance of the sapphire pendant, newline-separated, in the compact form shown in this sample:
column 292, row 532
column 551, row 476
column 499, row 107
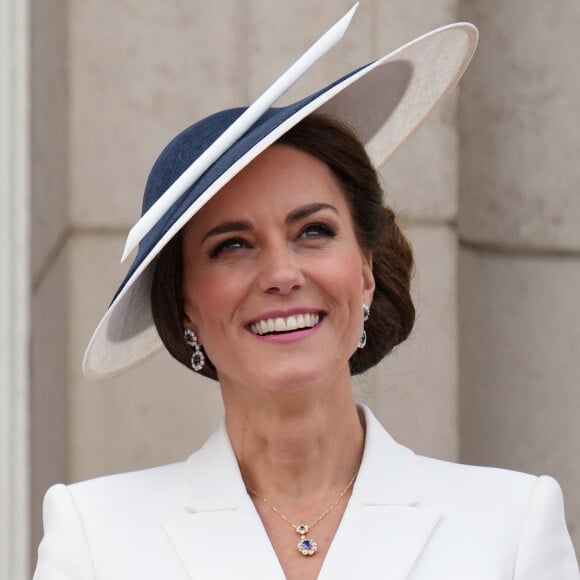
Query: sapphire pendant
column 306, row 546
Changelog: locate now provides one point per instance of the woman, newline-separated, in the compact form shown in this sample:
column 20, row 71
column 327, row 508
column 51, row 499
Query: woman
column 279, row 272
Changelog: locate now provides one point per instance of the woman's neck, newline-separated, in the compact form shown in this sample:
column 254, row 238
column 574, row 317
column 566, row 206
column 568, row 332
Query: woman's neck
column 294, row 450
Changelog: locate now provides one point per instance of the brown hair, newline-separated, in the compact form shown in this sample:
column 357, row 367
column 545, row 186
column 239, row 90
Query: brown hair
column 392, row 311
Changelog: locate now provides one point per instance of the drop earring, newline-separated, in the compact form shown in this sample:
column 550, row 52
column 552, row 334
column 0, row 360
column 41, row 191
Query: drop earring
column 197, row 356
column 363, row 339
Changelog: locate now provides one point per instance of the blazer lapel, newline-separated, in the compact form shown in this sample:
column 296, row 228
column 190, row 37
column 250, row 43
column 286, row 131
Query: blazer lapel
column 219, row 533
column 383, row 531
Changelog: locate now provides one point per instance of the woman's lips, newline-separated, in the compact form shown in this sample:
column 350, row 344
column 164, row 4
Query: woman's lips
column 284, row 324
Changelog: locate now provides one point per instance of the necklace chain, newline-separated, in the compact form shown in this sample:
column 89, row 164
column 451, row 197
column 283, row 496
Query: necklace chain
column 306, row 546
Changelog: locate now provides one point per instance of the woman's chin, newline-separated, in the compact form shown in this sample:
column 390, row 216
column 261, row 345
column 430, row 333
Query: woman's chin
column 297, row 377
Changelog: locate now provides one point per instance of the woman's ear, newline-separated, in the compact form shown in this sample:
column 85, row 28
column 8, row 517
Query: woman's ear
column 187, row 323
column 367, row 277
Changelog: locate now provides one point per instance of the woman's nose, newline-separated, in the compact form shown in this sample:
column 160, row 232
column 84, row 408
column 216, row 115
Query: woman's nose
column 280, row 272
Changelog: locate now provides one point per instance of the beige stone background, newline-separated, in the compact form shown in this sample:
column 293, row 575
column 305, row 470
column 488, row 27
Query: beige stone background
column 488, row 191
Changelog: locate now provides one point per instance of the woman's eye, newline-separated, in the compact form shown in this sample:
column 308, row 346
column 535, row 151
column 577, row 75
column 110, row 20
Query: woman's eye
column 318, row 230
column 229, row 245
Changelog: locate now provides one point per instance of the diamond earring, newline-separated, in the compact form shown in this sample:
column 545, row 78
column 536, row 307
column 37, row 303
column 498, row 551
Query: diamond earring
column 363, row 339
column 197, row 356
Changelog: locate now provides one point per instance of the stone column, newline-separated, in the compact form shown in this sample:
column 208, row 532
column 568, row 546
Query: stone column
column 520, row 242
column 415, row 390
column 49, row 237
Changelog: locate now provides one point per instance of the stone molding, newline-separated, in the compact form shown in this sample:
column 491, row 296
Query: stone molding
column 14, row 289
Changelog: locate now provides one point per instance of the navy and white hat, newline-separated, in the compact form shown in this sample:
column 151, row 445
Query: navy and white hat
column 383, row 102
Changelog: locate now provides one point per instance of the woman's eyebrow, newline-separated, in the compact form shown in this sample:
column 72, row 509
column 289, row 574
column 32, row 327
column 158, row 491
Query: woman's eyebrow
column 244, row 226
column 228, row 227
column 307, row 210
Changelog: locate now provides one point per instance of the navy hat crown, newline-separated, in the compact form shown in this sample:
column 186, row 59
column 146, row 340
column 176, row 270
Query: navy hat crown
column 183, row 150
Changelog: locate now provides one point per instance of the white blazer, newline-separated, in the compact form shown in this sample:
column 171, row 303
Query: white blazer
column 409, row 518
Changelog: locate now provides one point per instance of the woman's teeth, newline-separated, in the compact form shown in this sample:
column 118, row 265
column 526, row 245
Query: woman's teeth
column 273, row 325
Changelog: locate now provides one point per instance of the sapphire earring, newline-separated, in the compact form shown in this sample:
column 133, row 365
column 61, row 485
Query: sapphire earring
column 363, row 339
column 197, row 356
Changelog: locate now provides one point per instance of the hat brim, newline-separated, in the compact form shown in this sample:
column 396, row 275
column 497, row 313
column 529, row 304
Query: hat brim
column 383, row 102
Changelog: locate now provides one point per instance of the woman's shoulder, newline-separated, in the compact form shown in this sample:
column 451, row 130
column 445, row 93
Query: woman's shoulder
column 520, row 516
column 468, row 475
column 484, row 488
column 150, row 476
column 125, row 490
column 456, row 487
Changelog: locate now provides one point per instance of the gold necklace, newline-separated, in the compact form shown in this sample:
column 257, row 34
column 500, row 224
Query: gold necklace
column 306, row 546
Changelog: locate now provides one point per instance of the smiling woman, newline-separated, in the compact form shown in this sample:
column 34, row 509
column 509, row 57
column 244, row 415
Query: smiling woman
column 296, row 254
column 277, row 270
column 346, row 163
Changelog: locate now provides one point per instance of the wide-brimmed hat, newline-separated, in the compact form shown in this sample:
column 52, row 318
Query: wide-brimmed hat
column 383, row 102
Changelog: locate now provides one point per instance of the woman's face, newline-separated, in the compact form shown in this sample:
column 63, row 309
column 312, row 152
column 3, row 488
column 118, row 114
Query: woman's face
column 274, row 279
